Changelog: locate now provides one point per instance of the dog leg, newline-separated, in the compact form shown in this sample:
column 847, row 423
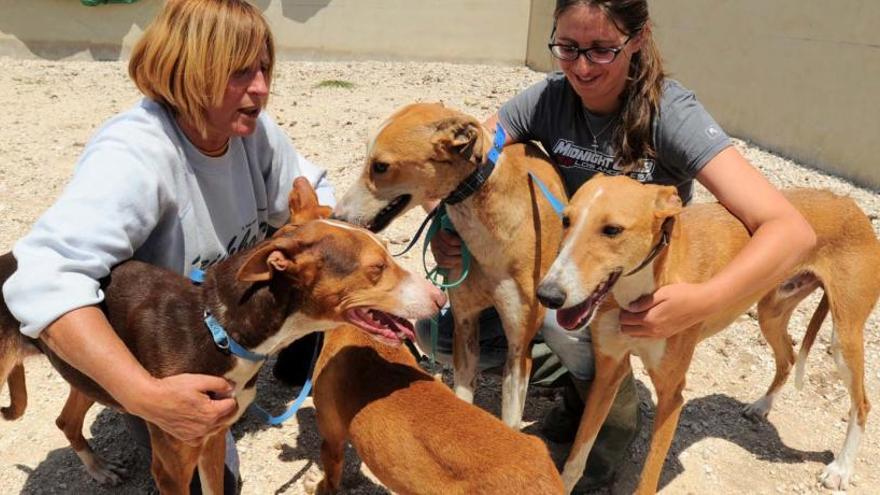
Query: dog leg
column 465, row 352
column 774, row 313
column 333, row 437
column 517, row 369
column 211, row 463
column 669, row 381
column 70, row 421
column 848, row 350
column 610, row 373
column 173, row 462
column 17, row 392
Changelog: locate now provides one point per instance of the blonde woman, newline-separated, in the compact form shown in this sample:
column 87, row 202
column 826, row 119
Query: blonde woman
column 192, row 173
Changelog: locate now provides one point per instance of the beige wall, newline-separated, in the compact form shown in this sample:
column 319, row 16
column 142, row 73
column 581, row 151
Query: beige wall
column 798, row 77
column 493, row 31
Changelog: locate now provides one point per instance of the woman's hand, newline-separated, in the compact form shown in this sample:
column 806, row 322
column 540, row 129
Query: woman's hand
column 446, row 247
column 669, row 310
column 186, row 406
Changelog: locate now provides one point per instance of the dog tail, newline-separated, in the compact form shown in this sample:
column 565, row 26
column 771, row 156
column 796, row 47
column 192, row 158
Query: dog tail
column 809, row 338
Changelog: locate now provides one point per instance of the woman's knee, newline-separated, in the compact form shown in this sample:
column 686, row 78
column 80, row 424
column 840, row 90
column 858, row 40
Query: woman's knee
column 574, row 348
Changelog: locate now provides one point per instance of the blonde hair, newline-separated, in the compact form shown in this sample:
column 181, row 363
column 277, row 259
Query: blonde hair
column 187, row 54
column 640, row 101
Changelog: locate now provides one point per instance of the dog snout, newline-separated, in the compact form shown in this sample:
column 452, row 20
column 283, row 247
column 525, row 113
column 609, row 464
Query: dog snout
column 438, row 297
column 551, row 295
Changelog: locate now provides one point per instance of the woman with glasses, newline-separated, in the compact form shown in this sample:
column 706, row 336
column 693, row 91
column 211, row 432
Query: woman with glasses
column 612, row 110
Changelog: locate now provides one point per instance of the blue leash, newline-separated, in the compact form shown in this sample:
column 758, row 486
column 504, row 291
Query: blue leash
column 227, row 344
column 557, row 205
column 303, row 393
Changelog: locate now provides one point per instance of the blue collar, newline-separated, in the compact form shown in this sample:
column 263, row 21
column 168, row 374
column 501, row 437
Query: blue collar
column 221, row 338
column 227, row 343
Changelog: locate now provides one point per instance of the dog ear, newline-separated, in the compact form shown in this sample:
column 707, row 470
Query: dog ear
column 262, row 263
column 458, row 136
column 667, row 203
column 303, row 203
column 282, row 255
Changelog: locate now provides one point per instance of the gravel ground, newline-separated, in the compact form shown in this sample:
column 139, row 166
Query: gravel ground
column 54, row 107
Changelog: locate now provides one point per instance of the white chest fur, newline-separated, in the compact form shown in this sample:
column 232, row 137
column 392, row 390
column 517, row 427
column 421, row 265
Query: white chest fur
column 294, row 327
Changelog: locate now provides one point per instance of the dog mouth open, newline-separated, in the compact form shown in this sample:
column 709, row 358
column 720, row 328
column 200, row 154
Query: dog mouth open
column 385, row 327
column 387, row 214
column 581, row 314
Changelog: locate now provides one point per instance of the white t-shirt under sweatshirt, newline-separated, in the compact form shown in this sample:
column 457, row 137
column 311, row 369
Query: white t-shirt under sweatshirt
column 141, row 190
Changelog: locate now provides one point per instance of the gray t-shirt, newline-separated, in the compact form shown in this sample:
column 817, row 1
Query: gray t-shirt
column 685, row 136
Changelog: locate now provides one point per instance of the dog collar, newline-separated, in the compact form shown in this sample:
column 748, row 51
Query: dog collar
column 465, row 188
column 665, row 233
column 221, row 337
column 228, row 344
column 475, row 181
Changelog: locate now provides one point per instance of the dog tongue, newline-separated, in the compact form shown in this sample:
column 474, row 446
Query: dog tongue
column 380, row 323
column 569, row 318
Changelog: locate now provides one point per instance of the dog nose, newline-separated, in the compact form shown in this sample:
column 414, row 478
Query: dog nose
column 439, row 298
column 551, row 295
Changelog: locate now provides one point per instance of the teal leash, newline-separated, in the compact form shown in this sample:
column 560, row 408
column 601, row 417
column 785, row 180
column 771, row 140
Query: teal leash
column 440, row 220
column 440, row 276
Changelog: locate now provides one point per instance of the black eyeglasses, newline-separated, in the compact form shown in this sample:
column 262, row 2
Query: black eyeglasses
column 595, row 54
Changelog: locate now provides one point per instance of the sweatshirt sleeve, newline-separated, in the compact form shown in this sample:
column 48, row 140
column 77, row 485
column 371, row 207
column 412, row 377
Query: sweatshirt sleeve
column 107, row 210
column 288, row 164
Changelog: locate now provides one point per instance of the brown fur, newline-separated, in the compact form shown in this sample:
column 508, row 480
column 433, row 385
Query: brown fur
column 509, row 227
column 158, row 315
column 411, row 430
column 704, row 240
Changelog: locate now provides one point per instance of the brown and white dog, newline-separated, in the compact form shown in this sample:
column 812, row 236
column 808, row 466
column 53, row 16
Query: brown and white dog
column 412, row 432
column 313, row 275
column 608, row 238
column 422, row 153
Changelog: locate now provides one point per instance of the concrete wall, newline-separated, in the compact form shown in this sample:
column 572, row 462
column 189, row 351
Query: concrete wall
column 491, row 31
column 798, row 77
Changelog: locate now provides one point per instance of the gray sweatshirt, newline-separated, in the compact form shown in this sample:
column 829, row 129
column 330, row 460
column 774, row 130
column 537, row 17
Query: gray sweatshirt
column 141, row 190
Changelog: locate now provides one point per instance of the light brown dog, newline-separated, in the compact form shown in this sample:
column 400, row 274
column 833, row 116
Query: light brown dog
column 609, row 237
column 313, row 275
column 423, row 153
column 412, row 432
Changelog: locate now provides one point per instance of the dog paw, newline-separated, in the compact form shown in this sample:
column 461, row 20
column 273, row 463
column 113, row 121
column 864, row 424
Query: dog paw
column 105, row 472
column 835, row 476
column 758, row 410
column 312, row 481
column 11, row 413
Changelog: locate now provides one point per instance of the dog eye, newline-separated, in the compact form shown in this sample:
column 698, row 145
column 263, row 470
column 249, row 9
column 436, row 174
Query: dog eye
column 566, row 222
column 375, row 271
column 380, row 167
column 611, row 230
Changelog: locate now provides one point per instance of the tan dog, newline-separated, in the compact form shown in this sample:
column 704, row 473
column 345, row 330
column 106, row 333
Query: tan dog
column 412, row 432
column 423, row 153
column 608, row 238
column 313, row 275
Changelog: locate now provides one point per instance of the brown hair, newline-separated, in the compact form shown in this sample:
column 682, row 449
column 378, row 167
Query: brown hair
column 640, row 101
column 187, row 54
